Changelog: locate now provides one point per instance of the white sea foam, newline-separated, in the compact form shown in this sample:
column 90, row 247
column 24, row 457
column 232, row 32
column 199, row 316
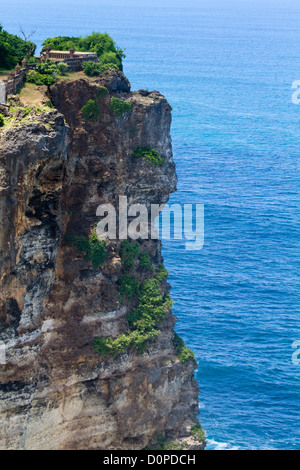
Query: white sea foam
column 214, row 445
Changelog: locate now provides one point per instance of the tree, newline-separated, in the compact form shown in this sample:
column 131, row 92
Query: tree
column 46, row 73
column 13, row 49
column 25, row 35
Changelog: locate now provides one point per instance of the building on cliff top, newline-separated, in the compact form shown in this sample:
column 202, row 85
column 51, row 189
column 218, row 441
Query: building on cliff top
column 48, row 53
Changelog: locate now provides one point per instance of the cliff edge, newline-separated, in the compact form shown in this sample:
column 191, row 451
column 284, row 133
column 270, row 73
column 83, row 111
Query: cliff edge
column 57, row 390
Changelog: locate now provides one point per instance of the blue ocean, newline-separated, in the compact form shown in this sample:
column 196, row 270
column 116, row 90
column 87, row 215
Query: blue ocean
column 227, row 68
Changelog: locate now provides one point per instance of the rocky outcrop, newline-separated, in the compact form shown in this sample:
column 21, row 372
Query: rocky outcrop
column 56, row 391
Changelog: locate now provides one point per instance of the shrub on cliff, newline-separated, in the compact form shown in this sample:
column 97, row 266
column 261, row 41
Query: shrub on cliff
column 129, row 252
column 100, row 43
column 198, row 432
column 102, row 92
column 94, row 249
column 13, row 49
column 145, row 262
column 93, row 69
column 33, row 60
column 62, row 68
column 128, row 286
column 1, row 120
column 143, row 321
column 46, row 73
column 119, row 107
column 150, row 155
column 40, row 79
column 47, row 67
column 161, row 273
column 91, row 111
column 183, row 353
column 163, row 443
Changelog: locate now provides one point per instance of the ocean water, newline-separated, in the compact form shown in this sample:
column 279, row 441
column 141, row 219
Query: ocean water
column 227, row 68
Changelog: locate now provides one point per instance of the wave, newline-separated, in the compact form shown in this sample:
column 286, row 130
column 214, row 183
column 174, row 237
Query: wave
column 215, row 445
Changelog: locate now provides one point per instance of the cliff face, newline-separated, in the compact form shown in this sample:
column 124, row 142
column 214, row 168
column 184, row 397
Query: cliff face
column 56, row 391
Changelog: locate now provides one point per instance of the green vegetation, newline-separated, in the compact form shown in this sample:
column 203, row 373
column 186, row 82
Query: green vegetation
column 152, row 306
column 119, row 106
column 27, row 111
column 90, row 68
column 1, row 120
column 162, row 443
column 33, row 60
column 198, row 432
column 161, row 273
column 19, row 88
column 102, row 92
column 143, row 321
column 145, row 261
column 62, row 68
column 94, row 249
column 46, row 73
column 40, row 79
column 150, row 155
column 93, row 69
column 91, row 111
column 100, row 43
column 183, row 353
column 31, row 95
column 20, row 115
column 13, row 49
column 128, row 286
column 49, row 104
column 129, row 252
column 150, row 300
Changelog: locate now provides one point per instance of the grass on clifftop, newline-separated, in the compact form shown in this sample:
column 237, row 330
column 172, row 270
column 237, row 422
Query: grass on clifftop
column 33, row 95
column 20, row 115
column 94, row 69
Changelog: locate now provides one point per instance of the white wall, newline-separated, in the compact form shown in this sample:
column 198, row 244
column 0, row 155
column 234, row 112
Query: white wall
column 2, row 93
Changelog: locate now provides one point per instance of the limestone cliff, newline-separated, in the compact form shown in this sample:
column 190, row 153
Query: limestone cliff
column 56, row 391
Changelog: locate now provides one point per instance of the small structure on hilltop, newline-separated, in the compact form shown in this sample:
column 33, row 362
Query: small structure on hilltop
column 48, row 53
column 10, row 83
